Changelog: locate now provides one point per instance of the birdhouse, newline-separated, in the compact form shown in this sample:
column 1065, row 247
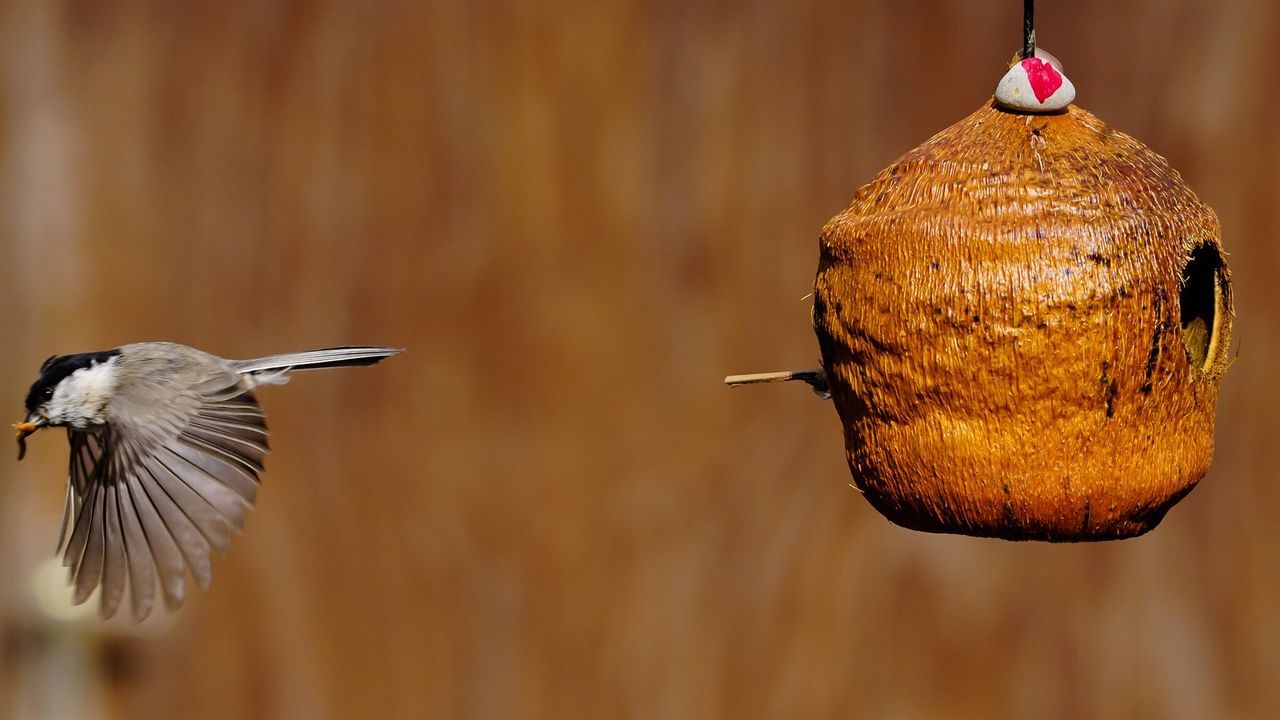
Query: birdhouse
column 1023, row 323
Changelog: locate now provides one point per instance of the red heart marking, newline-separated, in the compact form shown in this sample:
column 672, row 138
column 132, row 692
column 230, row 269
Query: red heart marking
column 1044, row 78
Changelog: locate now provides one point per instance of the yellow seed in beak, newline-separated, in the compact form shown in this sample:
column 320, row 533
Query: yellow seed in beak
column 22, row 430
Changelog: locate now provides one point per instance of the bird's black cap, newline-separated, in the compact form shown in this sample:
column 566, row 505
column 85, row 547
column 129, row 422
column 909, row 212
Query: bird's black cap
column 56, row 368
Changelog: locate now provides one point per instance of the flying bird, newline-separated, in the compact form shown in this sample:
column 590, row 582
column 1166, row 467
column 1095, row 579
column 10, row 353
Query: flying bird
column 167, row 443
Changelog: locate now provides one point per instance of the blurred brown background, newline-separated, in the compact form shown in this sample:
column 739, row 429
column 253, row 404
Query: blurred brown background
column 578, row 217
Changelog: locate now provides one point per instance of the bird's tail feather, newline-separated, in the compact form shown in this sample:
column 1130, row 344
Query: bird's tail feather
column 316, row 359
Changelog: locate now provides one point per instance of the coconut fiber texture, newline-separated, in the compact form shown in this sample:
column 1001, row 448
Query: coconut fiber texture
column 1024, row 322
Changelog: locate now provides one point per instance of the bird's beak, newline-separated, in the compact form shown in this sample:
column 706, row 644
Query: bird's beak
column 25, row 428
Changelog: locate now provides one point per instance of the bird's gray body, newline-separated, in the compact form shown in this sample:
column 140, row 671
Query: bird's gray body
column 167, row 443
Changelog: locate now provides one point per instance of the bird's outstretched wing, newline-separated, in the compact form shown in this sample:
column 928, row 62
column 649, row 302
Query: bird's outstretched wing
column 152, row 491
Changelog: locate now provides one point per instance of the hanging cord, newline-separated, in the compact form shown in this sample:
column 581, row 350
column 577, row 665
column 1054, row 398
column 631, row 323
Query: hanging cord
column 1028, row 29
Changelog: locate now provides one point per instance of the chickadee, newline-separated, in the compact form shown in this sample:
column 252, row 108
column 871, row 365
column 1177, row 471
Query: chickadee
column 166, row 446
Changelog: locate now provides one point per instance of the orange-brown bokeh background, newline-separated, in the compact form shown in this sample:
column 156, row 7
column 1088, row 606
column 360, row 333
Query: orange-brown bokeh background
column 578, row 217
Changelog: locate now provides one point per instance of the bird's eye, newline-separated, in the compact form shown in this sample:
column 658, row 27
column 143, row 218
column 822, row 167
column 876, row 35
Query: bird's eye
column 48, row 392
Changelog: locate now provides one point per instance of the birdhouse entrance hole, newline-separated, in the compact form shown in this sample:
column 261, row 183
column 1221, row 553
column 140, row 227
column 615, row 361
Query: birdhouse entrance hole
column 1203, row 302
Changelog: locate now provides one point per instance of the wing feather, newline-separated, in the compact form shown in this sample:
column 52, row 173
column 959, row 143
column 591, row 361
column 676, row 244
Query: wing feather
column 191, row 543
column 68, row 512
column 83, row 461
column 114, row 564
column 164, row 549
column 88, row 571
column 234, row 430
column 198, row 510
column 231, row 472
column 74, row 552
column 249, row 451
column 142, row 568
column 224, row 499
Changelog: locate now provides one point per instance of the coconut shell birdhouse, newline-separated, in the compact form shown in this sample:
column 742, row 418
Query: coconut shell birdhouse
column 1023, row 323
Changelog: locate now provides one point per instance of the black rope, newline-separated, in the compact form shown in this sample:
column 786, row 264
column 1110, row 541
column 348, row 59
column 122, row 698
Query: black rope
column 1028, row 29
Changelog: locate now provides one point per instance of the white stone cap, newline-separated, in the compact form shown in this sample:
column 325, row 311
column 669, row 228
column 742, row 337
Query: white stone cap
column 1036, row 84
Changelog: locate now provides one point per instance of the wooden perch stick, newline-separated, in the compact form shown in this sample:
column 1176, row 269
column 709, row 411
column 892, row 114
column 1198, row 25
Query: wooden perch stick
column 815, row 378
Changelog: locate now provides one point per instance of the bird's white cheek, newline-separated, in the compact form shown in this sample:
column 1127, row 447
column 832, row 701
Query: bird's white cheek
column 80, row 401
column 75, row 413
